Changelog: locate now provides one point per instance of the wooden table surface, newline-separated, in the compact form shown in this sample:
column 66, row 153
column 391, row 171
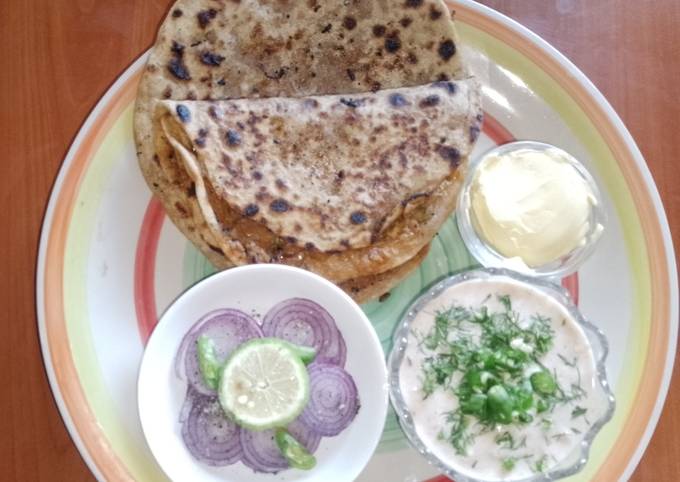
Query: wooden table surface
column 60, row 56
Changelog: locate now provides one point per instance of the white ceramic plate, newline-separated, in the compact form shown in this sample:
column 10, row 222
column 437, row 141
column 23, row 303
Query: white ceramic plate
column 110, row 261
column 254, row 290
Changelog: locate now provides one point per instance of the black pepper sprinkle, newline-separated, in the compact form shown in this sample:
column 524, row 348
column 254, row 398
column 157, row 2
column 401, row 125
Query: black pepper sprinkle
column 379, row 30
column 233, row 137
column 447, row 49
column 450, row 87
column 178, row 69
column 353, row 103
column 349, row 23
column 398, row 100
column 279, row 205
column 251, row 210
column 183, row 113
column 450, row 154
column 429, row 101
column 357, row 217
column 205, row 16
column 392, row 44
column 212, row 59
column 327, row 28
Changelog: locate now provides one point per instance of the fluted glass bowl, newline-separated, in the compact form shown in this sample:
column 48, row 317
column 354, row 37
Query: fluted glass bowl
column 603, row 399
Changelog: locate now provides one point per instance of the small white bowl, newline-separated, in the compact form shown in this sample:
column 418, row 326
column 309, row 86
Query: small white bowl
column 254, row 289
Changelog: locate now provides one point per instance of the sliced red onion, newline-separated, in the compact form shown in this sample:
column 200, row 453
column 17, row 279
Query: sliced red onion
column 304, row 322
column 261, row 453
column 208, row 434
column 227, row 328
column 333, row 399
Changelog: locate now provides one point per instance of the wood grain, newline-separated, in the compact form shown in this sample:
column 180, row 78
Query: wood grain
column 60, row 56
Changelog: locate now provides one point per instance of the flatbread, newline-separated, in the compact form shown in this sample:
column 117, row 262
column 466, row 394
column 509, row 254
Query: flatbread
column 325, row 171
column 255, row 48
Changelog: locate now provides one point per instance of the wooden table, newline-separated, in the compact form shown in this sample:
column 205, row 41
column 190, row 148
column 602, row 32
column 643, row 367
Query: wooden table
column 60, row 56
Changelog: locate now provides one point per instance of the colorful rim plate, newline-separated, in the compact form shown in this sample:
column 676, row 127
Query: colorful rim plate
column 110, row 261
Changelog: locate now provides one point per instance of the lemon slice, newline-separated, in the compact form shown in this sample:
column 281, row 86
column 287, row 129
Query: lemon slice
column 264, row 384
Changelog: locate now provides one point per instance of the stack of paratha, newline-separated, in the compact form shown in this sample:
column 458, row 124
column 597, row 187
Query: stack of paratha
column 329, row 135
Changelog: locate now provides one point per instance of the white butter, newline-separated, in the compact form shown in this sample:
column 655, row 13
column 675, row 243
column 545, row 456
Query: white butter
column 531, row 204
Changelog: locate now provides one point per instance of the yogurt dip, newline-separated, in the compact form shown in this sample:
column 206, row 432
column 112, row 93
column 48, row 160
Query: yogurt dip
column 499, row 379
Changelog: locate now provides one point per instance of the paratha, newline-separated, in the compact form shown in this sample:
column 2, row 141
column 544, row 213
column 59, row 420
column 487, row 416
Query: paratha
column 255, row 48
column 323, row 172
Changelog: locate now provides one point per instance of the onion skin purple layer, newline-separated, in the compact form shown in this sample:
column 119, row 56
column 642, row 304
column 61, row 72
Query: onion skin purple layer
column 228, row 328
column 208, row 434
column 333, row 400
column 306, row 323
column 261, row 453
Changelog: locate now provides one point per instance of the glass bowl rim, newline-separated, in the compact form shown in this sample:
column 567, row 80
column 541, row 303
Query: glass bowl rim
column 485, row 253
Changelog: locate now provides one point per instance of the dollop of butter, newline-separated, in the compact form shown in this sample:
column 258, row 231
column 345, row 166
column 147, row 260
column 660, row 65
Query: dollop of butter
column 531, row 204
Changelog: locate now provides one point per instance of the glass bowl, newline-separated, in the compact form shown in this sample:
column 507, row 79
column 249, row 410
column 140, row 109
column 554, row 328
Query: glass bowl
column 487, row 255
column 603, row 399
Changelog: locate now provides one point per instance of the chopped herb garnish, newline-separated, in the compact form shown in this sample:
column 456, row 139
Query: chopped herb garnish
column 578, row 411
column 541, row 464
column 567, row 362
column 509, row 463
column 491, row 361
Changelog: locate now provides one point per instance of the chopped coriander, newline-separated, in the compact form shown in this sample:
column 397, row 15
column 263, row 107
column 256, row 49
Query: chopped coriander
column 509, row 463
column 491, row 360
column 541, row 464
column 578, row 411
column 567, row 362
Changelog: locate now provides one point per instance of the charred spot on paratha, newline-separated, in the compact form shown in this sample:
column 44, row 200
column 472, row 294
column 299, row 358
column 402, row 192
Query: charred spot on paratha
column 176, row 13
column 429, row 101
column 353, row 103
column 279, row 205
column 435, row 13
column 349, row 23
column 413, row 3
column 405, row 22
column 392, row 42
column 379, row 30
column 450, row 154
column 450, row 87
column 205, row 16
column 233, row 138
column 211, row 59
column 183, row 113
column 251, row 210
column 447, row 49
column 357, row 217
column 398, row 100
column 177, row 68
